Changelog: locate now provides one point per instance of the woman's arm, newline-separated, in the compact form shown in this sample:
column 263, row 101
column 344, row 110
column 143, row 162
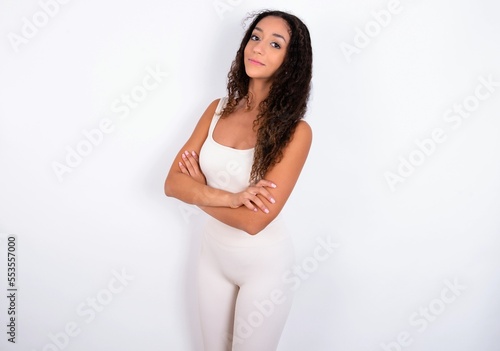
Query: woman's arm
column 284, row 174
column 186, row 188
column 190, row 187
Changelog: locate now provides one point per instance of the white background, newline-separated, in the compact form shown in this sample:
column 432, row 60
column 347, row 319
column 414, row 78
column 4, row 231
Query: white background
column 109, row 214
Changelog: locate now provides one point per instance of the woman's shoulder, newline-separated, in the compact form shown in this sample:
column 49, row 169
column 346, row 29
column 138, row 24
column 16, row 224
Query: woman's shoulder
column 206, row 118
column 215, row 104
column 210, row 111
column 218, row 104
column 302, row 124
column 303, row 131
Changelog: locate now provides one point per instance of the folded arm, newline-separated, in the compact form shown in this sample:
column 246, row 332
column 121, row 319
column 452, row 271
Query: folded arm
column 186, row 182
column 187, row 188
column 266, row 195
column 284, row 174
column 255, row 207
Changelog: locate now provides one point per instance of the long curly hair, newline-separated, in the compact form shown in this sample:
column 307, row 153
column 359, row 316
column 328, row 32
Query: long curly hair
column 286, row 104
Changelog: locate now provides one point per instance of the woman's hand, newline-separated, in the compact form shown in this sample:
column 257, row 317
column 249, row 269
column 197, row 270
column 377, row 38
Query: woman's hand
column 249, row 198
column 191, row 166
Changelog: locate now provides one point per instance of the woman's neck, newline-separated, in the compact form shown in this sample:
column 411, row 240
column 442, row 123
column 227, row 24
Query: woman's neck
column 258, row 90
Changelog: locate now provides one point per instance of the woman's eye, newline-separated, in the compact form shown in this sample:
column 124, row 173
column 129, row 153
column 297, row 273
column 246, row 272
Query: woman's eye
column 274, row 44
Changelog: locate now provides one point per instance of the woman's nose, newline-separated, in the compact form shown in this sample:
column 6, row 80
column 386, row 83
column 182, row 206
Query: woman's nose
column 258, row 48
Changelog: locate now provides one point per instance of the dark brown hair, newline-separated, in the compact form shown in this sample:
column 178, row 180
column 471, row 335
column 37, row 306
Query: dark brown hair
column 286, row 103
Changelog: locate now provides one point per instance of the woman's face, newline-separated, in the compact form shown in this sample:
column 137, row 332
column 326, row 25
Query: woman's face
column 266, row 49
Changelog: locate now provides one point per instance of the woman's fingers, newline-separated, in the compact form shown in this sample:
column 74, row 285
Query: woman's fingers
column 253, row 202
column 192, row 166
column 250, row 199
column 183, row 168
column 264, row 192
column 260, row 188
column 259, row 204
column 264, row 182
column 195, row 156
column 190, row 162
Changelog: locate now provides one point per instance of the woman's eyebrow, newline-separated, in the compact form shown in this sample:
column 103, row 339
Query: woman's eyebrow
column 274, row 34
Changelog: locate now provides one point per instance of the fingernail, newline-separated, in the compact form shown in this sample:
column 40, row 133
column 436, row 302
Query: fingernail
column 183, row 156
column 186, row 152
column 193, row 153
column 266, row 210
column 274, row 185
column 273, row 201
column 255, row 209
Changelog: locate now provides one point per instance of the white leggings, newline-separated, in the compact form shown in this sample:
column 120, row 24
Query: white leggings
column 244, row 302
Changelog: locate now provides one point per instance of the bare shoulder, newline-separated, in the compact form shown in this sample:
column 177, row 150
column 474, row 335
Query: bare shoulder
column 213, row 105
column 201, row 129
column 300, row 143
column 210, row 110
column 302, row 134
column 304, row 129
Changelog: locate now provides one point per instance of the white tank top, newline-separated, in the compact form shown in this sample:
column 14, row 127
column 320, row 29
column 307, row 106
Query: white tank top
column 224, row 167
column 229, row 169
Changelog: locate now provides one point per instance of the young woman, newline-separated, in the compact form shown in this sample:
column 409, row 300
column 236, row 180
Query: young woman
column 240, row 166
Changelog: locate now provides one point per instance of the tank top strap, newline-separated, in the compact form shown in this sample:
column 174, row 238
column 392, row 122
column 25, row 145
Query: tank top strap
column 215, row 118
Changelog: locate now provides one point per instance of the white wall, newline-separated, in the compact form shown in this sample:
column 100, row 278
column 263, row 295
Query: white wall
column 105, row 216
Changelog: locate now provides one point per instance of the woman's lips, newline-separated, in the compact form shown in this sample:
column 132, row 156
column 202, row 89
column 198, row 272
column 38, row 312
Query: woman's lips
column 255, row 62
